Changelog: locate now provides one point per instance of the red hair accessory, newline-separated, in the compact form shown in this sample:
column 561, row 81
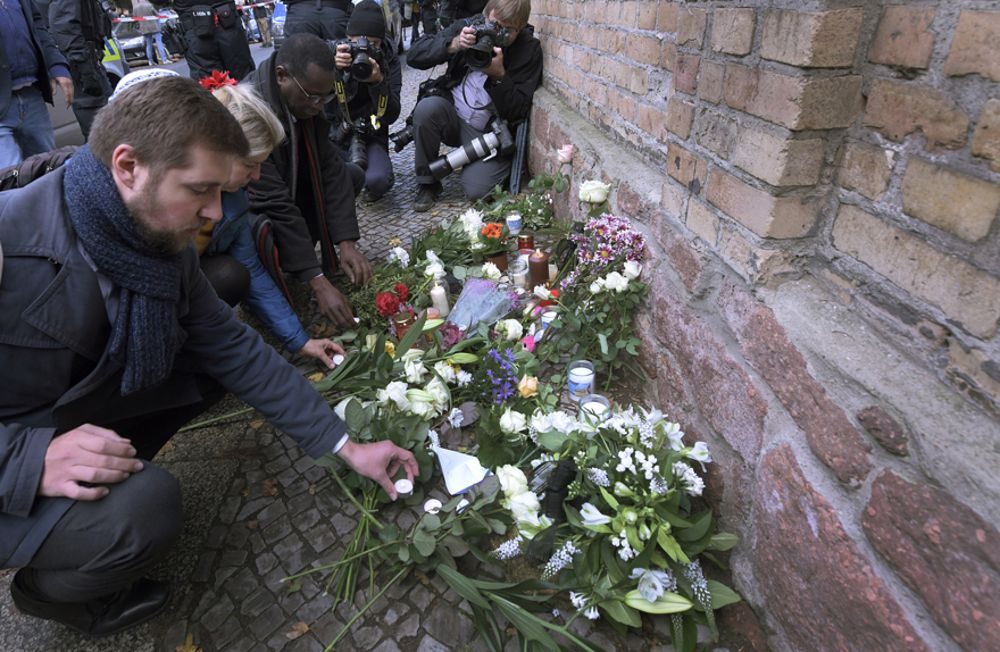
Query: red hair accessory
column 217, row 79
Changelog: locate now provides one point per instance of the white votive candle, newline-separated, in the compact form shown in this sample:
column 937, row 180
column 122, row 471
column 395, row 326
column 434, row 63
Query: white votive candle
column 581, row 383
column 404, row 487
column 432, row 506
column 337, row 359
column 594, row 408
column 553, row 272
column 439, row 299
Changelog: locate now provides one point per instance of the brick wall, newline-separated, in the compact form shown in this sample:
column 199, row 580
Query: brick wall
column 819, row 183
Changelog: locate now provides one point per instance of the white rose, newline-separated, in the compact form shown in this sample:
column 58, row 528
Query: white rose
column 445, row 370
column 632, row 269
column 563, row 422
column 512, row 480
column 524, row 506
column 565, row 154
column 597, row 286
column 436, row 270
column 432, row 257
column 412, row 354
column 513, row 422
column 542, row 292
column 440, row 395
column 491, row 271
column 395, row 392
column 541, row 422
column 398, row 254
column 594, row 192
column 415, row 371
column 511, row 329
column 616, row 282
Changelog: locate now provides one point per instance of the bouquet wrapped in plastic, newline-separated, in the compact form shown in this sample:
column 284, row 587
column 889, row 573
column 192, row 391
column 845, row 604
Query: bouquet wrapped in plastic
column 481, row 301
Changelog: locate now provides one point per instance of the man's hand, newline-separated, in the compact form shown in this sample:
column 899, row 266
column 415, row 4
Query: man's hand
column 343, row 57
column 323, row 350
column 356, row 266
column 380, row 461
column 496, row 70
column 463, row 40
column 87, row 454
column 66, row 84
column 332, row 303
column 376, row 77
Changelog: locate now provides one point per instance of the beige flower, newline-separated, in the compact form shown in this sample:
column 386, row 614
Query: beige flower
column 528, row 386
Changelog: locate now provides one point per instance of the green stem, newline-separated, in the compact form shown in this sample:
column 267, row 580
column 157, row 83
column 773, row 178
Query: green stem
column 350, row 623
column 354, row 500
column 330, row 567
column 224, row 417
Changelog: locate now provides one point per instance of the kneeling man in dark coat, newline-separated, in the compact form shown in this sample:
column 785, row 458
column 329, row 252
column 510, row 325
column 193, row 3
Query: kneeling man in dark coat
column 110, row 340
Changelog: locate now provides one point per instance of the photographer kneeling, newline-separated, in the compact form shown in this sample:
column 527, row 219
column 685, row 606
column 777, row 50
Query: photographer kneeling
column 368, row 88
column 494, row 67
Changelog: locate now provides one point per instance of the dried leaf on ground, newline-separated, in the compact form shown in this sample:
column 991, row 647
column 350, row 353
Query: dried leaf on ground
column 256, row 424
column 298, row 629
column 270, row 487
column 188, row 645
column 316, row 377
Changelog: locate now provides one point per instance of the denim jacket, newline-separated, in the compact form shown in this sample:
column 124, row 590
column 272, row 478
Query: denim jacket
column 232, row 236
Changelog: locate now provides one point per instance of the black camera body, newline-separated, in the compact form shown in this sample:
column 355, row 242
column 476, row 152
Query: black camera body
column 437, row 87
column 489, row 34
column 497, row 142
column 363, row 53
column 355, row 135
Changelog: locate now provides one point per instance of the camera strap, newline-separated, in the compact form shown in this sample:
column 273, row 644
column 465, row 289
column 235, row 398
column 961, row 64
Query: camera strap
column 376, row 118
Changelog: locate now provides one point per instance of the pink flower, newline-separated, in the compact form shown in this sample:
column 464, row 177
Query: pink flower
column 566, row 153
column 529, row 343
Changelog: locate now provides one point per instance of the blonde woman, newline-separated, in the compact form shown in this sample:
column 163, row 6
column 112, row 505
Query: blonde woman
column 228, row 255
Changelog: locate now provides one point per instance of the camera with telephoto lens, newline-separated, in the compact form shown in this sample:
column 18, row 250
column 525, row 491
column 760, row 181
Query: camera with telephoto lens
column 362, row 54
column 403, row 137
column 489, row 34
column 437, row 87
column 497, row 142
column 355, row 135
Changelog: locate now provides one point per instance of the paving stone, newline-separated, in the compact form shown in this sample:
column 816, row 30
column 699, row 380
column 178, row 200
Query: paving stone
column 269, row 620
column 265, row 562
column 216, row 536
column 311, row 610
column 242, row 584
column 296, row 561
column 306, row 519
column 277, row 465
column 217, row 614
column 309, row 586
column 430, row 644
column 257, row 602
column 291, row 601
column 320, row 538
column 393, row 614
column 221, row 575
column 344, row 525
column 298, row 488
column 237, row 535
column 207, row 601
column 305, row 643
column 315, row 473
column 327, row 626
column 421, row 597
column 236, row 489
column 366, row 637
column 230, row 630
column 447, row 624
column 203, row 569
column 233, row 558
column 304, row 464
column 408, row 628
column 229, row 508
column 257, row 543
column 253, row 506
column 287, row 477
column 267, row 515
column 280, row 529
column 388, row 645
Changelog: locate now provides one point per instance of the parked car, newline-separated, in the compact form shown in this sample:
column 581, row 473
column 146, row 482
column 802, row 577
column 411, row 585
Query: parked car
column 129, row 35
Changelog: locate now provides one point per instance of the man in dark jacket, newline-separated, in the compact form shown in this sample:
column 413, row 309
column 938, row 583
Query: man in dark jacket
column 469, row 99
column 215, row 38
column 79, row 28
column 110, row 339
column 452, row 10
column 360, row 120
column 305, row 189
column 31, row 67
column 326, row 19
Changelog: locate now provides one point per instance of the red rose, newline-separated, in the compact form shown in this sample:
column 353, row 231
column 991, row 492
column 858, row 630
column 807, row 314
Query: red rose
column 387, row 304
column 402, row 291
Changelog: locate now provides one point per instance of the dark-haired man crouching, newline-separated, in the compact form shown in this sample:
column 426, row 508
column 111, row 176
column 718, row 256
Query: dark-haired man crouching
column 110, row 340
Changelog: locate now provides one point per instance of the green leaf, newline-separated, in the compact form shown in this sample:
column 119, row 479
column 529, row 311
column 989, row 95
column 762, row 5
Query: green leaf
column 697, row 530
column 525, row 623
column 355, row 416
column 608, row 498
column 603, row 339
column 668, row 603
column 411, row 336
column 404, row 554
column 424, row 543
column 552, row 441
column 431, row 324
column 459, row 272
column 722, row 595
column 463, row 358
column 455, row 545
column 622, row 613
column 671, row 547
column 462, row 585
column 723, row 541
column 431, row 522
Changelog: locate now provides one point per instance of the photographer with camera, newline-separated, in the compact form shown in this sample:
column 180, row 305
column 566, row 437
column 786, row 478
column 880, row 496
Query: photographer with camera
column 368, row 91
column 494, row 67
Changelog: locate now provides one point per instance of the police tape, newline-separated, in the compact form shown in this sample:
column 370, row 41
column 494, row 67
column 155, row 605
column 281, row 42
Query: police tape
column 163, row 17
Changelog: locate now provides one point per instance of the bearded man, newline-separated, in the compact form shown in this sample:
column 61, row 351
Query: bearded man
column 110, row 340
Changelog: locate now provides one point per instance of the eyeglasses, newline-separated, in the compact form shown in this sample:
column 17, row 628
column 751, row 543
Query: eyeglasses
column 313, row 99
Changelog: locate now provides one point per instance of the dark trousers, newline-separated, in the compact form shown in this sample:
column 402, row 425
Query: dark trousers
column 435, row 121
column 378, row 177
column 91, row 90
column 100, row 547
column 224, row 49
column 326, row 20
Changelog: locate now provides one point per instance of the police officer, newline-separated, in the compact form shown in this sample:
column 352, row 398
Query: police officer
column 326, row 19
column 452, row 10
column 79, row 28
column 215, row 38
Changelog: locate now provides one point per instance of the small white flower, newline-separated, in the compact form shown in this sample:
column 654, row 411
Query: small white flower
column 540, row 422
column 615, row 281
column 510, row 329
column 565, row 153
column 675, row 435
column 591, row 613
column 400, row 255
column 653, row 583
column 455, row 418
column 578, row 600
column 491, row 271
column 435, row 270
column 395, row 392
column 432, row 257
column 513, row 422
column 594, row 192
column 592, row 516
column 632, row 269
column 597, row 286
column 699, row 453
column 463, row 377
column 415, row 371
column 446, row 371
column 542, row 292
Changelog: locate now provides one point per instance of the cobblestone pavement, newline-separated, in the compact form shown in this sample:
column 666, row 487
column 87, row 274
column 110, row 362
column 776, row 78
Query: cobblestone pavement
column 257, row 510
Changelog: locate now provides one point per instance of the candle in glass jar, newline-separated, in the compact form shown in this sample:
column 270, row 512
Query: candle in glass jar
column 595, row 406
column 538, row 268
column 439, row 299
column 525, row 241
column 518, row 272
column 581, row 379
column 553, row 272
column 514, row 222
column 402, row 321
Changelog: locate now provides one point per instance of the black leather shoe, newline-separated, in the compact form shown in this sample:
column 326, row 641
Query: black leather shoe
column 100, row 617
column 426, row 196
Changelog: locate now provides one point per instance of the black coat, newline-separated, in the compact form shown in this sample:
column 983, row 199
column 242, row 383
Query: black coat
column 46, row 53
column 329, row 205
column 362, row 99
column 55, row 374
column 512, row 94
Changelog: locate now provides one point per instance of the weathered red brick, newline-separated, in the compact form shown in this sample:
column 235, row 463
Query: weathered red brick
column 666, row 16
column 944, row 551
column 793, row 102
column 680, row 115
column 686, row 73
column 974, row 48
column 710, row 81
column 732, row 30
column 888, row 432
column 817, row 583
column 865, row 169
column 682, row 256
column 952, row 201
column 824, row 39
column 899, row 109
column 767, row 215
column 691, row 27
column 687, row 167
column 716, row 132
column 830, row 434
column 986, row 139
column 904, row 37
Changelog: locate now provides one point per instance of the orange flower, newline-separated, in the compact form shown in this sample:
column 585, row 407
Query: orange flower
column 492, row 230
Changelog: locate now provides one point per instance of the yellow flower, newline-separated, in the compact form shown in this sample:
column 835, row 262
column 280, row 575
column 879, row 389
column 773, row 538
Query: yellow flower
column 528, row 386
column 390, row 348
column 395, row 242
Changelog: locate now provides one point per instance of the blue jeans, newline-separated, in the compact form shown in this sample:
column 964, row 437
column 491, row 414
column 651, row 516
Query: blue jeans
column 25, row 129
column 158, row 36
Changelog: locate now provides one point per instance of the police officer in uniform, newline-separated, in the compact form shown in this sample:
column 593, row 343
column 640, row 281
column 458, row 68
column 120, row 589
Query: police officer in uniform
column 326, row 19
column 79, row 28
column 215, row 38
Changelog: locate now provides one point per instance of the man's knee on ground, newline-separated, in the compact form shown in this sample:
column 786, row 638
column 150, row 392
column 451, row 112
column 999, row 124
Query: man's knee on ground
column 428, row 109
column 148, row 513
column 476, row 188
column 379, row 184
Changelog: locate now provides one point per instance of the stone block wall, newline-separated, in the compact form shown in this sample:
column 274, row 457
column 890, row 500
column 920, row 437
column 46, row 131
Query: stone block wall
column 819, row 181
